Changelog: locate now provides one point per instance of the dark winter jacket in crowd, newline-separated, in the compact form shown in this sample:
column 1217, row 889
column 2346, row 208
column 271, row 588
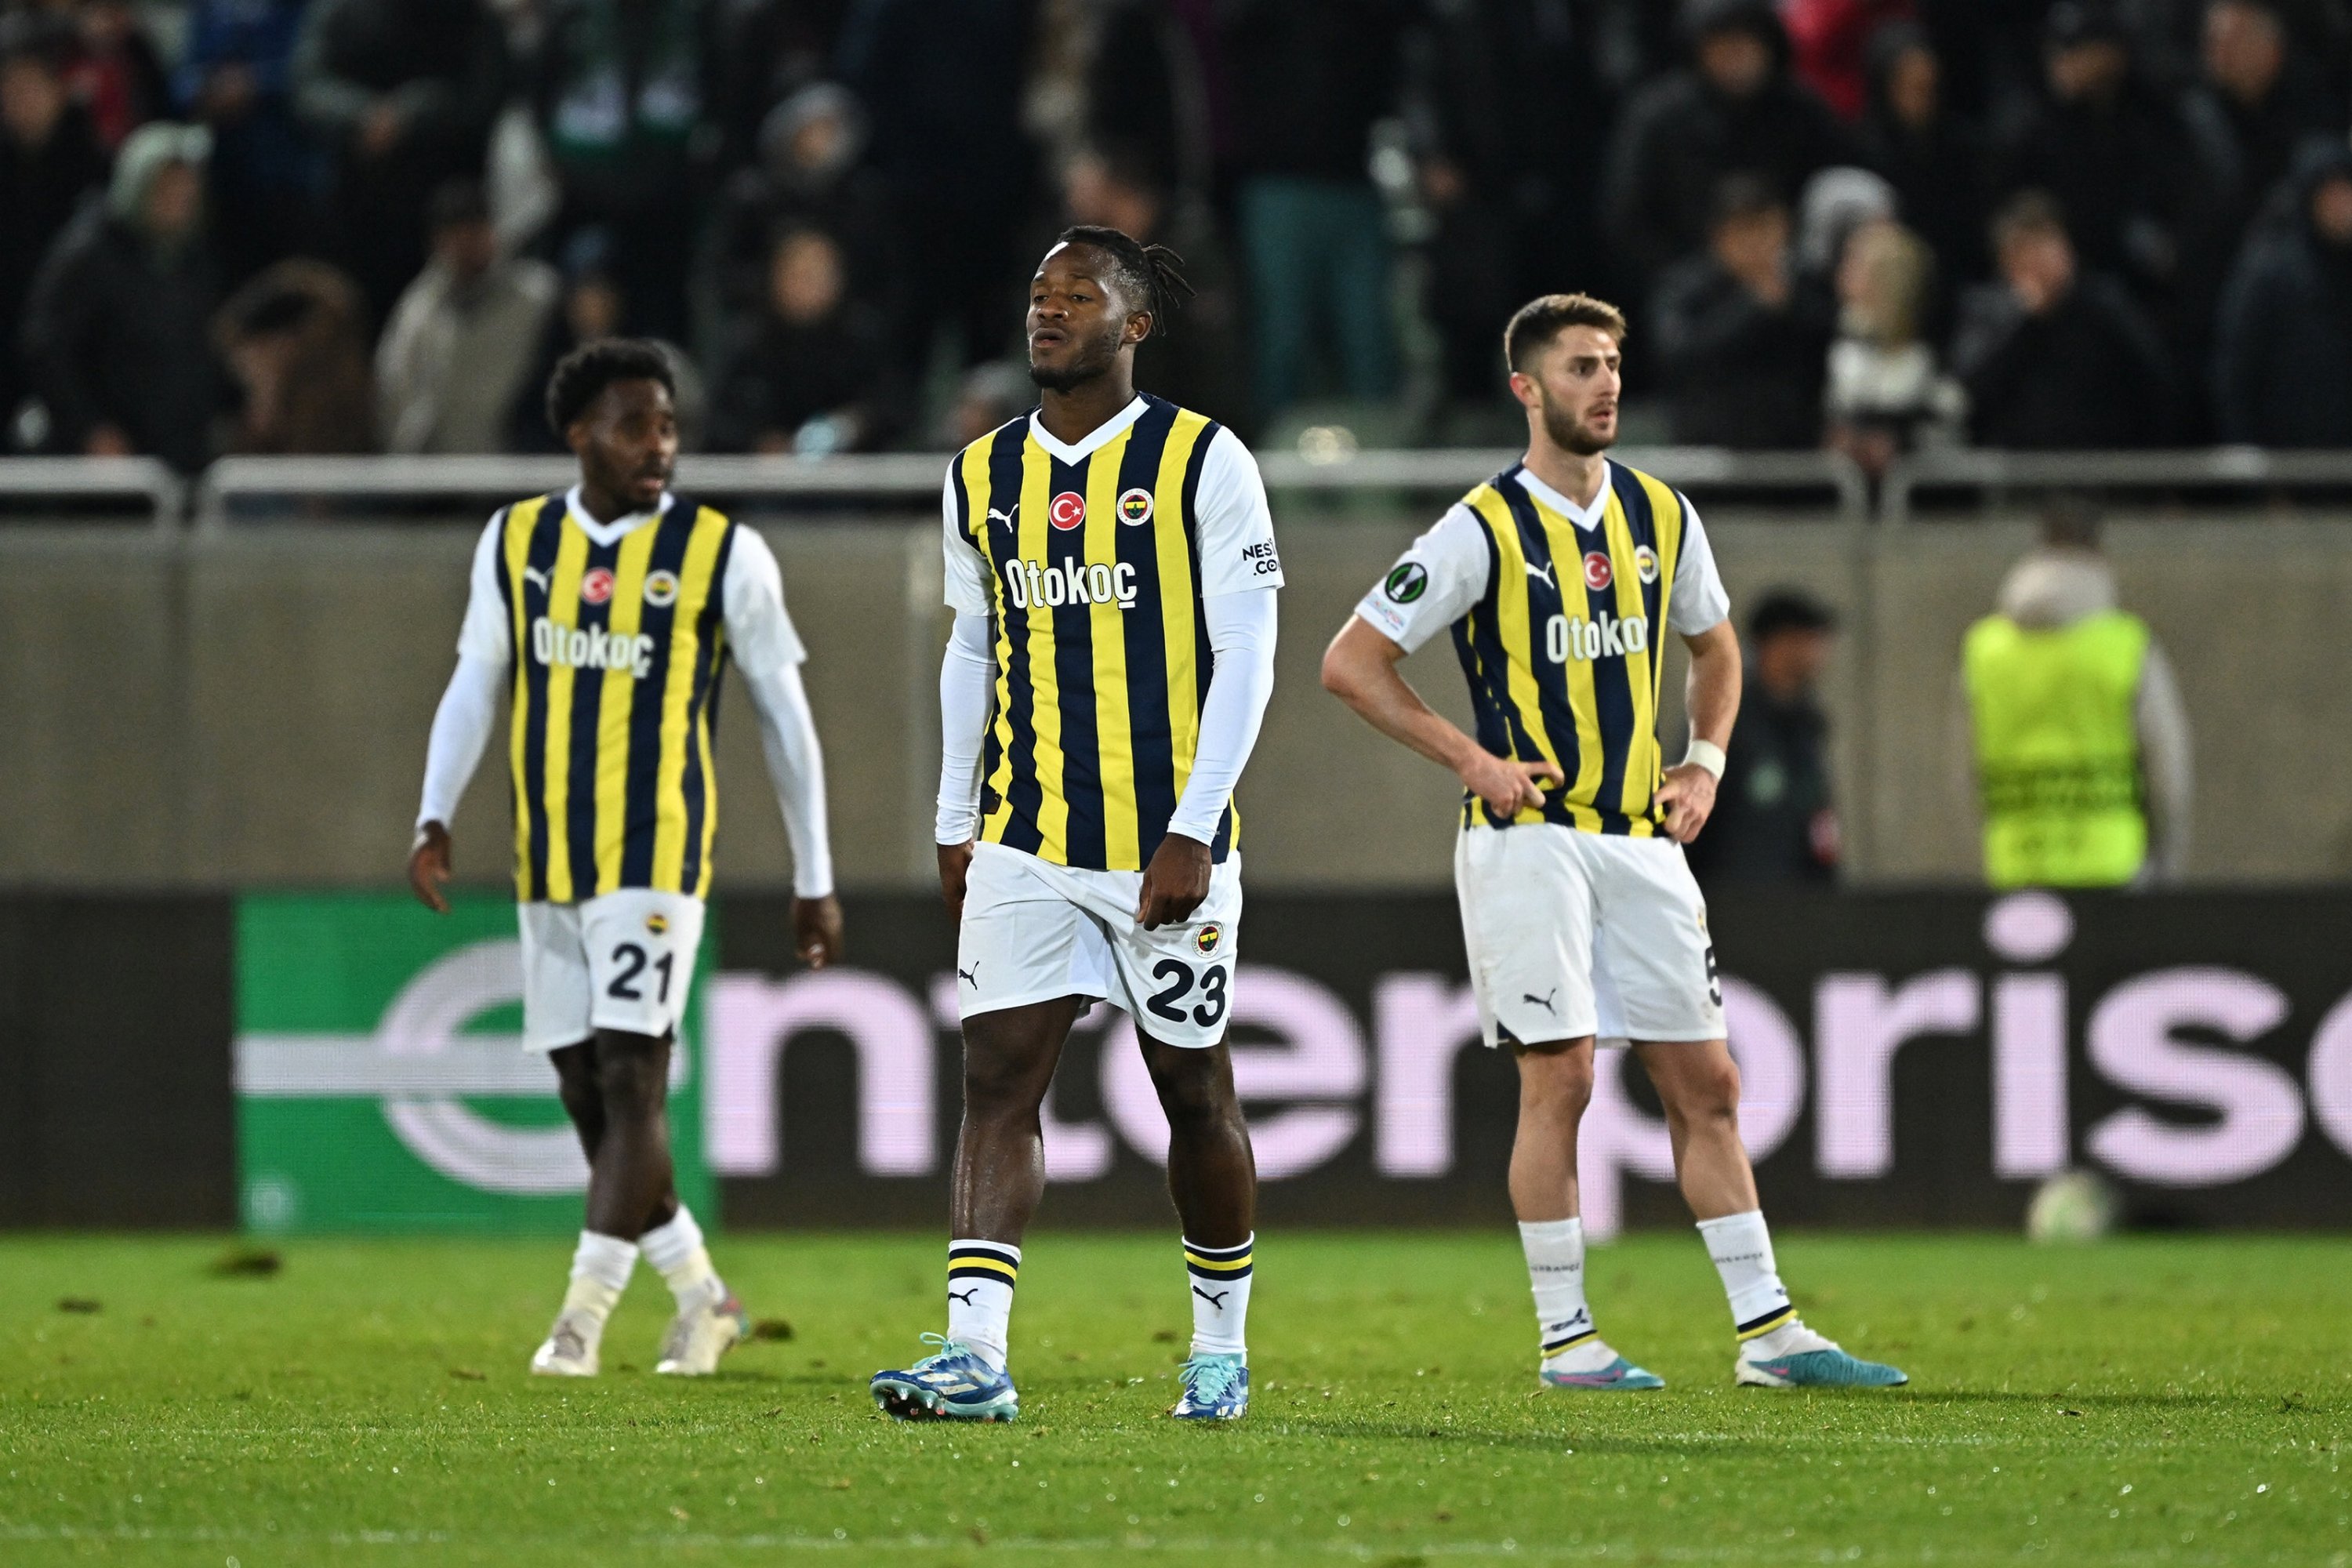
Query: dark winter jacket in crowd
column 1740, row 372
column 2089, row 372
column 118, row 332
column 1936, row 169
column 1679, row 138
column 39, row 189
column 2282, row 346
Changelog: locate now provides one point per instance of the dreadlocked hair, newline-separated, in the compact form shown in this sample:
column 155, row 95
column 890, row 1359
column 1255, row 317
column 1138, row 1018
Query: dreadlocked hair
column 1152, row 276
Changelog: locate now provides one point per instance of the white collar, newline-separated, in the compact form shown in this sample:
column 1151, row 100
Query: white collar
column 1095, row 439
column 1587, row 518
column 620, row 528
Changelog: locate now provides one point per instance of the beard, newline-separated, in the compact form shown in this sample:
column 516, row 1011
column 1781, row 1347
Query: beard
column 1092, row 359
column 1571, row 432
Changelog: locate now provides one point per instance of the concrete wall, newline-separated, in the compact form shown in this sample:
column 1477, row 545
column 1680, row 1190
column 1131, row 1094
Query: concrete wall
column 252, row 709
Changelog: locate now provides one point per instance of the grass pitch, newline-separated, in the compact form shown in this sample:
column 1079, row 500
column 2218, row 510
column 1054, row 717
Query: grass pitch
column 2182, row 1401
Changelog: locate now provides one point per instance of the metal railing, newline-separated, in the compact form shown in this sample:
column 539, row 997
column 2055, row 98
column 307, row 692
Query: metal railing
column 149, row 479
column 914, row 479
column 1993, row 473
column 910, row 481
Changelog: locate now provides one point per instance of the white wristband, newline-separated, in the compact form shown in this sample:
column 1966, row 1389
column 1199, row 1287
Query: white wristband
column 1704, row 755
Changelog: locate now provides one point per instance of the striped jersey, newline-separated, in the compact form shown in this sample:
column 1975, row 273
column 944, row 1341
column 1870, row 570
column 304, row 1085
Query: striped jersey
column 1556, row 613
column 616, row 636
column 1093, row 562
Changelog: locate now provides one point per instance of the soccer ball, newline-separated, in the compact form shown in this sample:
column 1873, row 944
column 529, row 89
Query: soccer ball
column 2072, row 1206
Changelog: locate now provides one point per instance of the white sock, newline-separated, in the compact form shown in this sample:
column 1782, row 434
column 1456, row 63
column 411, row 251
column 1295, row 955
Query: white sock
column 981, row 1276
column 1220, row 1278
column 677, row 1253
column 1742, row 1250
column 1555, row 1249
column 601, row 1266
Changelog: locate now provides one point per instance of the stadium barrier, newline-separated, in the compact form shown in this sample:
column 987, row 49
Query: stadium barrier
column 1916, row 1060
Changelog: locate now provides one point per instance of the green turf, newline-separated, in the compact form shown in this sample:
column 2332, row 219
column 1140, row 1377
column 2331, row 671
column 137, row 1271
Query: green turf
column 2148, row 1401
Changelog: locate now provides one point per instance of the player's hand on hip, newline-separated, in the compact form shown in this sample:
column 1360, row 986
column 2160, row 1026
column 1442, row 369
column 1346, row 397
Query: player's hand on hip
column 955, row 865
column 429, row 867
column 1507, row 786
column 1687, row 797
column 1174, row 883
column 817, row 931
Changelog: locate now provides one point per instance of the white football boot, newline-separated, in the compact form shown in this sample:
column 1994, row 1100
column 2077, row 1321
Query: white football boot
column 699, row 1335
column 570, row 1347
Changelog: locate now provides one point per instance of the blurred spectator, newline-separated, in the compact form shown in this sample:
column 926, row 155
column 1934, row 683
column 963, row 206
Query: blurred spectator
column 1886, row 394
column 295, row 338
column 1735, row 109
column 1830, row 46
column 989, row 396
column 1743, row 346
column 1835, row 203
column 807, row 376
column 1194, row 359
column 116, row 329
column 402, row 93
column 1510, row 105
column 1934, row 160
column 2255, row 102
column 1156, row 85
column 767, row 50
column 49, row 159
column 941, row 82
column 236, row 76
column 463, row 337
column 619, row 87
column 808, row 176
column 592, row 305
column 2075, row 742
column 2282, row 351
column 2116, row 151
column 2055, row 357
column 112, row 69
column 1774, row 817
column 1309, row 79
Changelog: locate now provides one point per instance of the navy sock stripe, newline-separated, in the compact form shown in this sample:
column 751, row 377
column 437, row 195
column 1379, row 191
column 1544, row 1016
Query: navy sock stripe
column 983, row 1249
column 1759, row 1324
column 1200, row 1273
column 1553, row 1347
column 1221, row 1254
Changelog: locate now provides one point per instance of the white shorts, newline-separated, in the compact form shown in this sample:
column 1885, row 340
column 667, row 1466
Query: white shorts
column 623, row 961
column 1574, row 933
column 1033, row 931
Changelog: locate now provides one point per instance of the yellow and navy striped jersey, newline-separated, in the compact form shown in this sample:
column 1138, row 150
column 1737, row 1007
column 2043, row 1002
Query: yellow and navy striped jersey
column 1556, row 617
column 1096, row 567
column 617, row 654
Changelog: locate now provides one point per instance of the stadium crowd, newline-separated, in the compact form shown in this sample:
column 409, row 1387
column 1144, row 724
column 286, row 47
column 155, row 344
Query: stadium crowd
column 345, row 226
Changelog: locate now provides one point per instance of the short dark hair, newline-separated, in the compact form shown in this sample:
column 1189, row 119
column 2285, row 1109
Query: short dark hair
column 2028, row 212
column 1788, row 610
column 1739, row 195
column 581, row 375
column 1151, row 276
column 1536, row 323
column 456, row 202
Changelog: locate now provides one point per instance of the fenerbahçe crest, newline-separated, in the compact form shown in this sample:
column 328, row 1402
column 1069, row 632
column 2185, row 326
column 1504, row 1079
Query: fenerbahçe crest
column 1207, row 937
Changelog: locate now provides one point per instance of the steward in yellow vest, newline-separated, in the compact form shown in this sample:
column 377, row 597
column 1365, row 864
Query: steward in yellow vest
column 2058, row 762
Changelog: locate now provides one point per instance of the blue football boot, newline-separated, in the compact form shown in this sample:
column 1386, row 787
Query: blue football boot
column 1619, row 1377
column 953, row 1383
column 1806, row 1360
column 1216, row 1388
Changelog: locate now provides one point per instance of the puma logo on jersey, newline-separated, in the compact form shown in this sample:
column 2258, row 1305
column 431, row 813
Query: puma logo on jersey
column 1542, row 574
column 1573, row 637
column 1029, row 585
column 590, row 648
column 533, row 574
column 997, row 515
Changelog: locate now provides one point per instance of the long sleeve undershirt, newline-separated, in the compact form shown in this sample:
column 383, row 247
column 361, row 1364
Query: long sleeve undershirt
column 767, row 651
column 1241, row 628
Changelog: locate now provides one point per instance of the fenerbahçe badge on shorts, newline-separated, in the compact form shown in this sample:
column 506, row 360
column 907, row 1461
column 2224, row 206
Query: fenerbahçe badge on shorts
column 618, row 652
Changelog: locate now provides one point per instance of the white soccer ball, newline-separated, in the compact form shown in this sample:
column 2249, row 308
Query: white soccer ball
column 2072, row 1206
